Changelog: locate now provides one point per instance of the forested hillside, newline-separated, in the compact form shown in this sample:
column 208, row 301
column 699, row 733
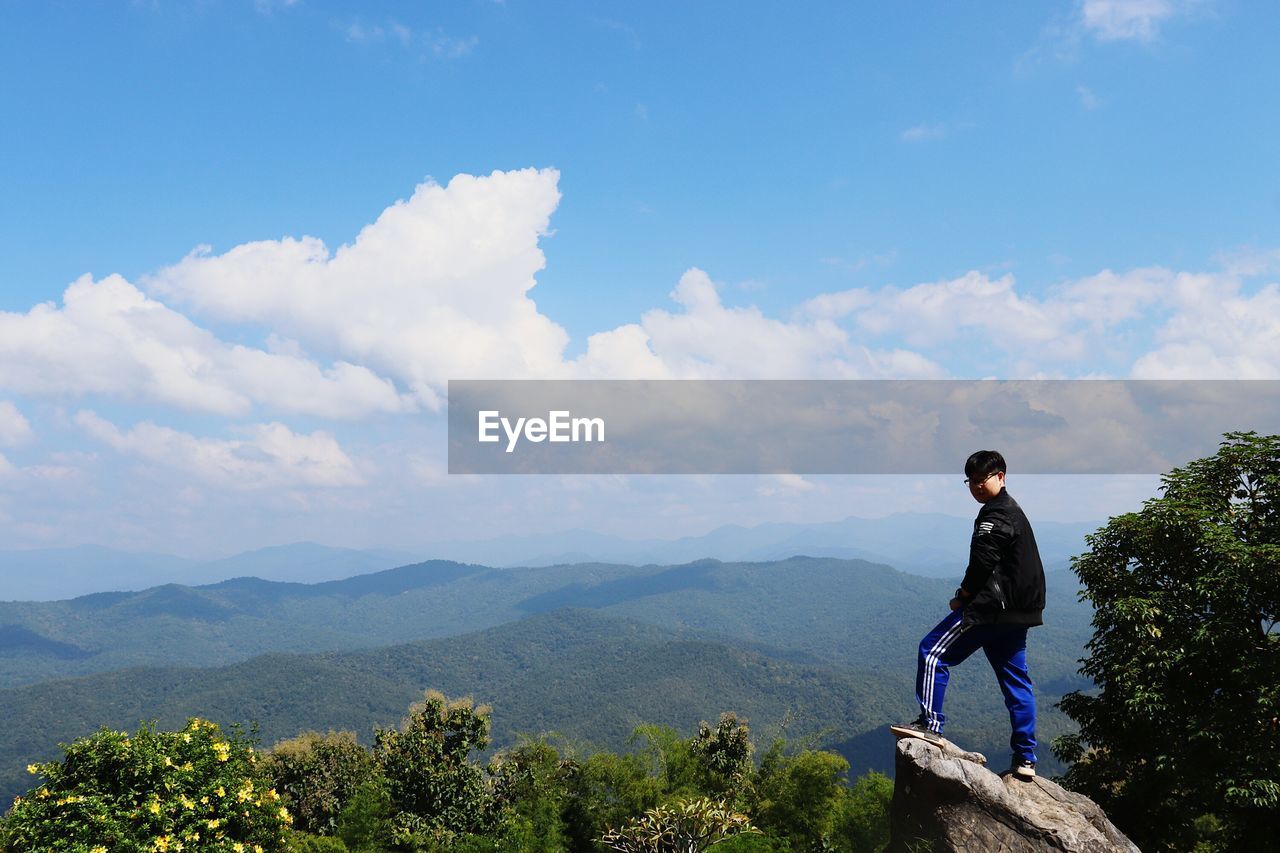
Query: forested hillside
column 589, row 676
column 843, row 612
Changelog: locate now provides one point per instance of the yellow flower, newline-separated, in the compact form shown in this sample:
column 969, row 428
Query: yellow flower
column 32, row 768
column 154, row 807
column 213, row 823
column 186, row 738
column 238, row 847
column 168, row 762
column 162, row 843
column 98, row 849
column 186, row 802
column 220, row 791
column 43, row 793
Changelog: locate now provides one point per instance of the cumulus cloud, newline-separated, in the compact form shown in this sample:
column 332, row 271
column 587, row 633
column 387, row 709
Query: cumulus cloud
column 1216, row 332
column 439, row 286
column 270, row 455
column 435, row 289
column 708, row 340
column 14, row 428
column 110, row 338
column 1148, row 323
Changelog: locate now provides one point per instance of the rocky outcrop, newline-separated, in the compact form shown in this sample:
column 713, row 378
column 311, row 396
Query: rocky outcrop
column 946, row 799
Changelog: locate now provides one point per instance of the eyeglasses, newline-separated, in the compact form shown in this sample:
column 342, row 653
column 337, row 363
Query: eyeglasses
column 972, row 482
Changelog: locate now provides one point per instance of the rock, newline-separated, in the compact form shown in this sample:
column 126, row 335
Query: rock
column 944, row 799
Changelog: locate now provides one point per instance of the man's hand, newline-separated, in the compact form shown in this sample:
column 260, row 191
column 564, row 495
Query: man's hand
column 956, row 604
column 959, row 599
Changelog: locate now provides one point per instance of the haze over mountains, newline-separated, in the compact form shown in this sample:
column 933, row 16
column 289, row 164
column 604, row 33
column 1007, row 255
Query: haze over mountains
column 588, row 650
column 931, row 545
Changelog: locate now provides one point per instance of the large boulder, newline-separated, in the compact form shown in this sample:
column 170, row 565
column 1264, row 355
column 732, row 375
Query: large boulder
column 945, row 799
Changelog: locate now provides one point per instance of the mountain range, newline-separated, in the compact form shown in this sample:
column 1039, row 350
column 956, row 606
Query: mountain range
column 588, row 650
column 927, row 544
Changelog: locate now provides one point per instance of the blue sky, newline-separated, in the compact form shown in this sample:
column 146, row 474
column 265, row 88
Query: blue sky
column 717, row 190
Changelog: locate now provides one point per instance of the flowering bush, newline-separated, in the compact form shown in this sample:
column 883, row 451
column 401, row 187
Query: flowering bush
column 194, row 789
column 317, row 776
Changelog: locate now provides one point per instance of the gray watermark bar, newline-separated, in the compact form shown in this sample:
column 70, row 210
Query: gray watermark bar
column 846, row 426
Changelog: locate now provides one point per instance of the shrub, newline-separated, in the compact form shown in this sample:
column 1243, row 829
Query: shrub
column 194, row 789
column 317, row 775
column 690, row 826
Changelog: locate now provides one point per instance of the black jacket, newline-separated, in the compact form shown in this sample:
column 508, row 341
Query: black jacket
column 1005, row 576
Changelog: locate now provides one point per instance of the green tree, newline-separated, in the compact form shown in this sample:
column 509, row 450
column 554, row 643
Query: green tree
column 317, row 774
column 434, row 787
column 723, row 754
column 607, row 790
column 862, row 822
column 365, row 825
column 1180, row 743
column 799, row 797
column 529, row 786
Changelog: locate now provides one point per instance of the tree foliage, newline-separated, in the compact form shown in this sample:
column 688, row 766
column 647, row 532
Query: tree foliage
column 434, row 786
column 194, row 789
column 1180, row 743
column 317, row 775
column 686, row 827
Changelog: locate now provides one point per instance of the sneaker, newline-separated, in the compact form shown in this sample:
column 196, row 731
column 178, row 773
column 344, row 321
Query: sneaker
column 917, row 728
column 1024, row 768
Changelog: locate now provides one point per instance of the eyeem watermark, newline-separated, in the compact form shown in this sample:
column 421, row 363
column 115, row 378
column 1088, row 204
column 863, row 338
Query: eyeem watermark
column 845, row 426
column 559, row 426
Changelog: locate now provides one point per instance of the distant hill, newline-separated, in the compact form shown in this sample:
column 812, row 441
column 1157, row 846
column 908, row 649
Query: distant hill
column 52, row 574
column 928, row 544
column 841, row 612
column 589, row 676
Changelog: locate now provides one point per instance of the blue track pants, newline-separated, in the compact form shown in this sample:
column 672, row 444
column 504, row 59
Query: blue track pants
column 1006, row 648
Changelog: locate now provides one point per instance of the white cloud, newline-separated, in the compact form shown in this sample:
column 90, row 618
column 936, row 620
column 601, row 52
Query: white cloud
column 1116, row 20
column 438, row 287
column 1107, row 299
column 775, row 485
column 266, row 7
column 708, row 340
column 926, row 314
column 7, row 470
column 1088, row 99
column 1216, row 332
column 923, row 133
column 435, row 289
column 271, row 455
column 14, row 428
column 109, row 338
column 1192, row 325
column 429, row 43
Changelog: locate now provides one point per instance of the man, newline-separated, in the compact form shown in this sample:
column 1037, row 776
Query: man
column 1001, row 596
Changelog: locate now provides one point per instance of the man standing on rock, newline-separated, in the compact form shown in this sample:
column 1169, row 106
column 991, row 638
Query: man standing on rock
column 1001, row 596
